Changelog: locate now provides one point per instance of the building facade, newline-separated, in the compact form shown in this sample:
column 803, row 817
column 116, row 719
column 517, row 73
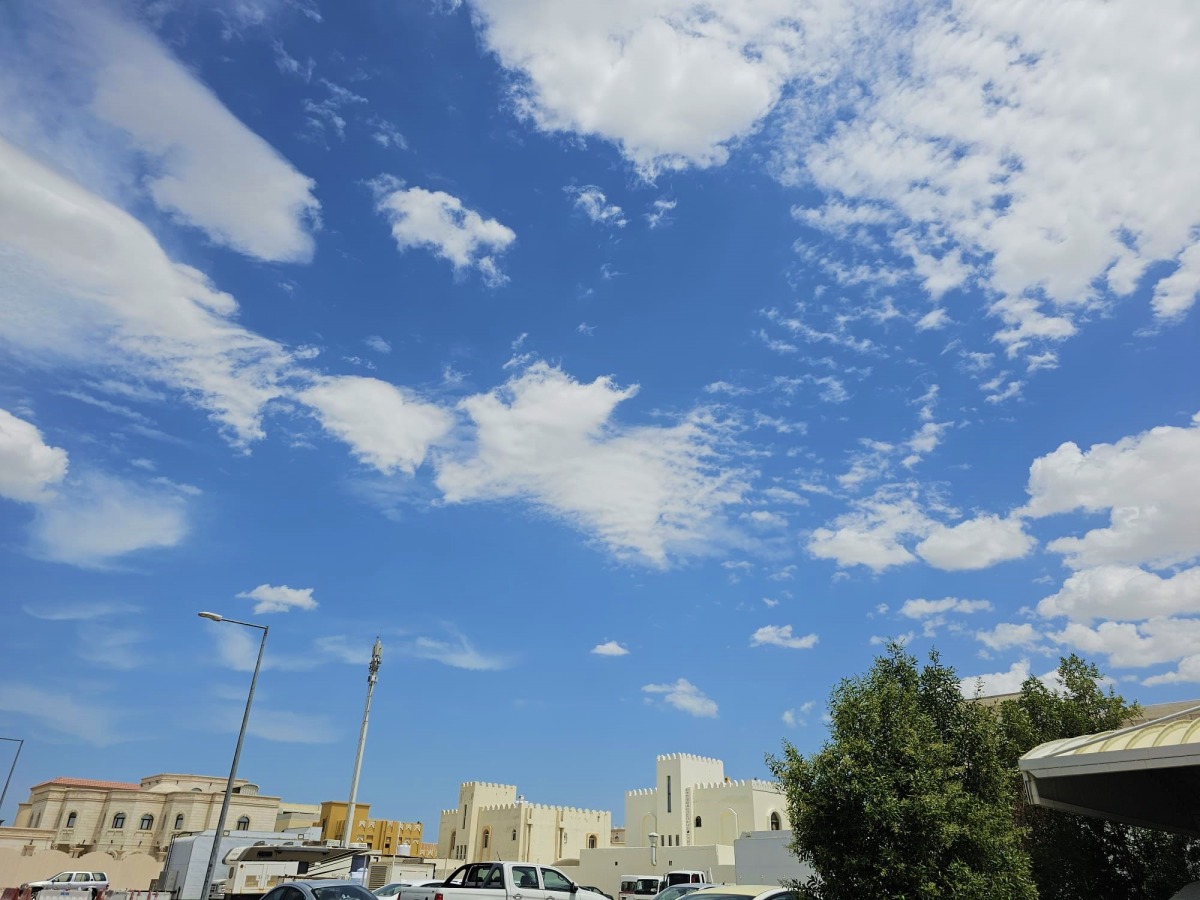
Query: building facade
column 690, row 819
column 493, row 822
column 386, row 836
column 81, row 815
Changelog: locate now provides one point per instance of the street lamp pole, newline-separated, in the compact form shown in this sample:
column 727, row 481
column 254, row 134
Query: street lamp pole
column 237, row 753
column 20, row 743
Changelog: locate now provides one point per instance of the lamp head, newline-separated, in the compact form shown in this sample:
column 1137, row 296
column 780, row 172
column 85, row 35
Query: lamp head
column 211, row 615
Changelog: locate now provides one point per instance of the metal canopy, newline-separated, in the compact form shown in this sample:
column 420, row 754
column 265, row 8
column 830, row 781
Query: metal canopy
column 1146, row 774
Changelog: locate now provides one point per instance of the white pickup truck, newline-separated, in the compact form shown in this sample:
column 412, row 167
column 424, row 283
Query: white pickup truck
column 502, row 881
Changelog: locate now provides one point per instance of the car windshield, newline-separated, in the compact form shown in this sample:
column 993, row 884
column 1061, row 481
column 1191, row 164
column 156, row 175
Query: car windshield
column 343, row 892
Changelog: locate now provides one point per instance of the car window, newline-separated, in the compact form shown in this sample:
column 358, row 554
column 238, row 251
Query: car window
column 82, row 876
column 279, row 893
column 525, row 877
column 494, row 879
column 555, row 881
column 100, row 876
column 342, row 892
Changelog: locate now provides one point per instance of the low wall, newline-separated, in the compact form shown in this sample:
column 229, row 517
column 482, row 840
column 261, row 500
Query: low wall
column 131, row 873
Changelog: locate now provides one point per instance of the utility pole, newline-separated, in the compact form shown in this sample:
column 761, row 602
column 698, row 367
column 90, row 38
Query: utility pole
column 372, row 677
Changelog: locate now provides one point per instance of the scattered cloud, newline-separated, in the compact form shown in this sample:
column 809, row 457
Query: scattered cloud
column 387, row 427
column 28, row 465
column 610, row 648
column 685, row 697
column 645, row 492
column 975, row 544
column 994, row 683
column 378, row 344
column 61, row 713
column 1007, row 635
column 660, row 213
column 97, row 519
column 590, row 200
column 279, row 599
column 440, row 223
column 781, row 636
column 456, row 651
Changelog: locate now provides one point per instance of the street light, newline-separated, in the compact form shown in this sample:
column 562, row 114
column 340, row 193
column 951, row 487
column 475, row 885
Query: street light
column 216, row 847
column 20, row 743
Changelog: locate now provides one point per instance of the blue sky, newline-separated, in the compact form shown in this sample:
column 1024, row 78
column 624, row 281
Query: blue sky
column 633, row 369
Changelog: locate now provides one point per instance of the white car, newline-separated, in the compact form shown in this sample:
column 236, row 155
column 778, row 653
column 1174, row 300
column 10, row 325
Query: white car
column 96, row 882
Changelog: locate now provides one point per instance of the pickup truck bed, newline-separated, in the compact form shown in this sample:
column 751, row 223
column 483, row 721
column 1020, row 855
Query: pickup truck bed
column 502, row 881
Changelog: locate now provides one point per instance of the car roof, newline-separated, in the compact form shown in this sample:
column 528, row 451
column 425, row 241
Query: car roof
column 737, row 890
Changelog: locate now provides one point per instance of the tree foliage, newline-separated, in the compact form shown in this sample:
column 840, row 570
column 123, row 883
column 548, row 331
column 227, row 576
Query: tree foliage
column 1076, row 856
column 910, row 798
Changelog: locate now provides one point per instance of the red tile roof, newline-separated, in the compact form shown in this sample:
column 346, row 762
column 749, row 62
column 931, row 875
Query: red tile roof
column 93, row 783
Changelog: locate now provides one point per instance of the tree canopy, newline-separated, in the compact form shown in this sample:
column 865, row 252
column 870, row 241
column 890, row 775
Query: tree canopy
column 910, row 797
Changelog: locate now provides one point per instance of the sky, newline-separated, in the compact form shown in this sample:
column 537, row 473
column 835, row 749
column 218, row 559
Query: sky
column 635, row 370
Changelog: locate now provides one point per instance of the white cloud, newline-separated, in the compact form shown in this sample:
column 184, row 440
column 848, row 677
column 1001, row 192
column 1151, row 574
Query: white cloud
column 378, row 344
column 661, row 213
column 202, row 165
column 60, row 712
column 1126, row 644
column 28, row 465
column 592, row 202
column 798, row 716
column 1138, row 482
column 1123, row 592
column 438, row 222
column 645, row 492
column 1006, row 635
column 610, row 648
column 921, row 608
column 982, row 133
column 289, row 727
column 873, row 532
column 685, row 697
column 96, row 519
column 87, row 285
column 281, row 598
column 994, row 683
column 670, row 82
column 975, row 544
column 781, row 636
column 387, row 427
column 457, row 652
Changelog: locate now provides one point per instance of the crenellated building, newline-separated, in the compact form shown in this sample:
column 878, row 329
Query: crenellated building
column 493, row 822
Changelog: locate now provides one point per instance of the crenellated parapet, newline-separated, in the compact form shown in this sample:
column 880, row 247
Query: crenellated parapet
column 667, row 757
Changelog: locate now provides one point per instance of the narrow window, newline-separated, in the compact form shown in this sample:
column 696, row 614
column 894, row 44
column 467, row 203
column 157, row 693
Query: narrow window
column 591, row 842
column 119, row 820
column 487, row 834
column 668, row 793
column 71, row 820
column 776, row 825
column 514, row 834
column 697, row 821
column 243, row 824
column 179, row 821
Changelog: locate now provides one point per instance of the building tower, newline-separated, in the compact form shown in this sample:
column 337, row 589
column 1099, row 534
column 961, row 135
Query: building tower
column 372, row 677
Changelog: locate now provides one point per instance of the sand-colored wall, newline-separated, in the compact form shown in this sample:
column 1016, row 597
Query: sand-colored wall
column 134, row 872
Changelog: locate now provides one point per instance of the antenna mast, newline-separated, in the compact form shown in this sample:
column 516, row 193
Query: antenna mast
column 372, row 677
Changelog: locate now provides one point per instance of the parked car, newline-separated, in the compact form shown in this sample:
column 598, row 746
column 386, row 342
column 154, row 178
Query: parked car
column 319, row 889
column 96, row 882
column 391, row 890
column 675, row 891
column 595, row 890
column 743, row 892
column 503, row 881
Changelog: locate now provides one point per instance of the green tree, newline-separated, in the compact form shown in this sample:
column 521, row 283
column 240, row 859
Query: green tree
column 1077, row 856
column 910, row 797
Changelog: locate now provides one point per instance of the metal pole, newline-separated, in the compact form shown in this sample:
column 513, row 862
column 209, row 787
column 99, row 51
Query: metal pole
column 372, row 677
column 216, row 847
column 20, row 743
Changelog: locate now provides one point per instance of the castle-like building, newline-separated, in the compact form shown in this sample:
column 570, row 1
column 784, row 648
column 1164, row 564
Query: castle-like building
column 493, row 822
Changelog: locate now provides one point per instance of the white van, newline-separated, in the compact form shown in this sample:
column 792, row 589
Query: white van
column 634, row 887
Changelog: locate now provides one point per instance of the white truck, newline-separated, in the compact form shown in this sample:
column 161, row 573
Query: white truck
column 502, row 881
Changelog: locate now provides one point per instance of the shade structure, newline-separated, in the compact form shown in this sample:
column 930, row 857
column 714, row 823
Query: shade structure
column 1145, row 775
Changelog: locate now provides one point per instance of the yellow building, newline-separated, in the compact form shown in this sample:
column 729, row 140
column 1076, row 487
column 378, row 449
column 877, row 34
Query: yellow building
column 381, row 835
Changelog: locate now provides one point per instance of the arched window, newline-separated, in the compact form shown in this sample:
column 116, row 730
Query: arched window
column 487, row 837
column 119, row 820
column 71, row 819
column 243, row 823
column 514, row 834
column 147, row 822
column 179, row 821
column 591, row 842
column 776, row 825
column 697, row 821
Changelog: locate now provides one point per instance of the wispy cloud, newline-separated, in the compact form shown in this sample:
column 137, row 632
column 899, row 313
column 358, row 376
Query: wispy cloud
column 685, row 697
column 610, row 648
column 781, row 636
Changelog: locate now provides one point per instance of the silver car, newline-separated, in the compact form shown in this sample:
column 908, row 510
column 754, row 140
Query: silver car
column 318, row 889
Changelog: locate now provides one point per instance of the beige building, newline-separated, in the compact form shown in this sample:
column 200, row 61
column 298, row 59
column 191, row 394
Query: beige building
column 384, row 836
column 493, row 822
column 81, row 815
column 690, row 819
